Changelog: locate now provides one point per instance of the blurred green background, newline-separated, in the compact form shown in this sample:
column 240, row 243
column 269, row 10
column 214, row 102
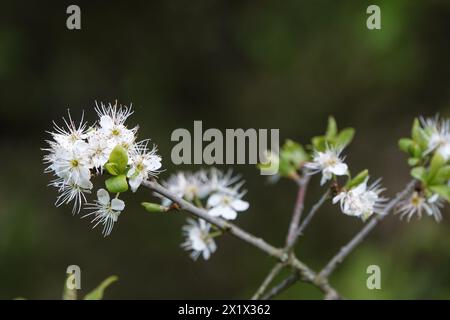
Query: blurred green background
column 233, row 64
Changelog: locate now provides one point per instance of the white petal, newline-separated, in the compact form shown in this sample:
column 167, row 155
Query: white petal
column 215, row 212
column 228, row 213
column 131, row 172
column 325, row 177
column 339, row 197
column 103, row 196
column 239, row 205
column 117, row 204
column 81, row 146
column 86, row 184
column 153, row 163
column 339, row 169
column 223, row 211
column 106, row 122
column 214, row 200
column 85, row 174
column 361, row 188
column 206, row 254
column 135, row 182
column 433, row 198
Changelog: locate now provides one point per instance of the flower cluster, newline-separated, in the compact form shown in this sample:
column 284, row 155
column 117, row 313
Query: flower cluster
column 219, row 192
column 355, row 197
column 77, row 152
column 429, row 155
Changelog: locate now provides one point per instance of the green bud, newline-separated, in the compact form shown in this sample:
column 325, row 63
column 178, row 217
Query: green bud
column 405, row 144
column 119, row 157
column 154, row 207
column 413, row 161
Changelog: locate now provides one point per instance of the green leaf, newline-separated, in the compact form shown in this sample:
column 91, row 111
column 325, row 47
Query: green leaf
column 119, row 157
column 405, row 144
column 360, row 177
column 418, row 134
column 416, row 151
column 319, row 143
column 413, row 161
column 112, row 168
column 437, row 162
column 154, row 207
column 442, row 190
column 294, row 153
column 442, row 176
column 419, row 173
column 345, row 137
column 331, row 128
column 286, row 168
column 117, row 184
column 97, row 293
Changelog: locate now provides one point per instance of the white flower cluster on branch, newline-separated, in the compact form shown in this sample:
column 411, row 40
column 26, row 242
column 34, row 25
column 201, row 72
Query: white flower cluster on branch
column 77, row 153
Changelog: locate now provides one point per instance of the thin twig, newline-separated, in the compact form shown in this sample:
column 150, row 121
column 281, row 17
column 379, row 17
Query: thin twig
column 309, row 217
column 268, row 280
column 295, row 233
column 307, row 274
column 298, row 209
column 361, row 235
column 322, row 278
column 286, row 283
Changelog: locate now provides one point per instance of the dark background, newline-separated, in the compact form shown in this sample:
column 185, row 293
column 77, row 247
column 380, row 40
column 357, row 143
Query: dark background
column 233, row 64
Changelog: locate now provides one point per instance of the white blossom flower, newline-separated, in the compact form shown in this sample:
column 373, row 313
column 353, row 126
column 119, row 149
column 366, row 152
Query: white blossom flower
column 106, row 211
column 112, row 125
column 417, row 203
column 72, row 164
column 361, row 201
column 144, row 163
column 67, row 136
column 329, row 163
column 70, row 191
column 99, row 149
column 187, row 185
column 198, row 239
column 225, row 182
column 226, row 205
column 437, row 133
